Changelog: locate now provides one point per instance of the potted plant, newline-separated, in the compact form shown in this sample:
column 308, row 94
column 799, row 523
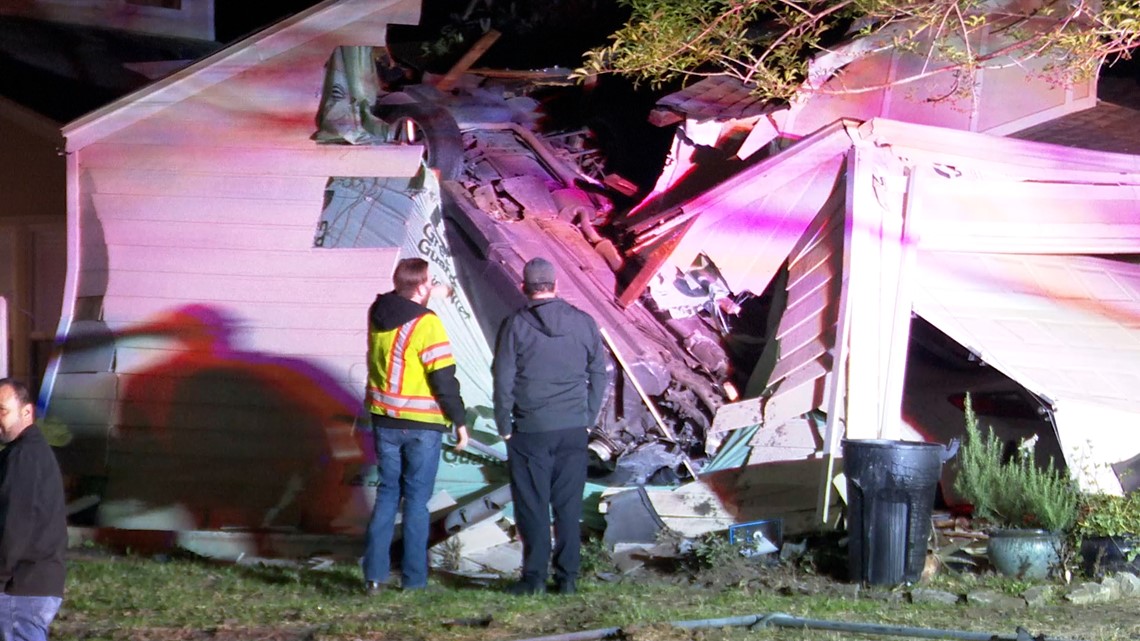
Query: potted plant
column 1028, row 507
column 1108, row 528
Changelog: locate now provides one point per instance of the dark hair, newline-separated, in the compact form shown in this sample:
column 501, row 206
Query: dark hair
column 530, row 289
column 410, row 274
column 23, row 394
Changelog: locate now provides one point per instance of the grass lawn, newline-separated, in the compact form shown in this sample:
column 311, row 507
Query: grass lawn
column 130, row 597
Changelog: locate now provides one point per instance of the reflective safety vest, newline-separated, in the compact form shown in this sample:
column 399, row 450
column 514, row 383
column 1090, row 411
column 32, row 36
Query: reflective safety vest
column 399, row 361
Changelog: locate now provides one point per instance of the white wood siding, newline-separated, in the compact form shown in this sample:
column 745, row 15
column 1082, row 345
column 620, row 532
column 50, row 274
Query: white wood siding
column 227, row 354
column 807, row 329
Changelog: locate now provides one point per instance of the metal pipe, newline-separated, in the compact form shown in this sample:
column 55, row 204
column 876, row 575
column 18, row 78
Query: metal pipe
column 789, row 621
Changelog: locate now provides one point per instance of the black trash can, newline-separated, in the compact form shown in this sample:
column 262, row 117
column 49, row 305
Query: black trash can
column 891, row 487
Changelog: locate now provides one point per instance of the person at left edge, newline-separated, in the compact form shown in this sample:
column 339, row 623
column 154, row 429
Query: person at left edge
column 33, row 521
column 413, row 396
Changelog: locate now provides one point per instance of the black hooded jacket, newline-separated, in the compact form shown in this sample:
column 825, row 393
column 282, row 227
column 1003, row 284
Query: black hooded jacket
column 390, row 311
column 549, row 369
column 33, row 518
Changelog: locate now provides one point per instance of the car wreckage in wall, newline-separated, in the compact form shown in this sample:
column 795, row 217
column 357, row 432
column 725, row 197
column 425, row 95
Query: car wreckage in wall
column 804, row 277
column 738, row 288
column 506, row 193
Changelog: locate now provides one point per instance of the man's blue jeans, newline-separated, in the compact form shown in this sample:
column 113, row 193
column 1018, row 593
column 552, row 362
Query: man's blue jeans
column 26, row 618
column 408, row 461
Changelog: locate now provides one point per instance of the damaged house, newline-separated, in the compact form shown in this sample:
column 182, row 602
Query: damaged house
column 846, row 266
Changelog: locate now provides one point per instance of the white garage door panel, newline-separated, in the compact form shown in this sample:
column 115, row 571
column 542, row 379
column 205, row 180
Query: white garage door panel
column 1063, row 326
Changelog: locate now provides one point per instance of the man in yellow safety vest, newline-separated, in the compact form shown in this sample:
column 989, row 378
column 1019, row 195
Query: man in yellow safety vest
column 413, row 397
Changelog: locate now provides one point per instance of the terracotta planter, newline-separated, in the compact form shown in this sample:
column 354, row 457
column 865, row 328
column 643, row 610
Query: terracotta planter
column 1109, row 554
column 1024, row 554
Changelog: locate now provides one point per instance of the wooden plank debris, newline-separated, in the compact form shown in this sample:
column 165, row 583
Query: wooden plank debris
column 447, row 83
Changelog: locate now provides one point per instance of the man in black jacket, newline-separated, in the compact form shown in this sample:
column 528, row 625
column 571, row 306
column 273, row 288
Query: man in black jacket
column 33, row 521
column 550, row 379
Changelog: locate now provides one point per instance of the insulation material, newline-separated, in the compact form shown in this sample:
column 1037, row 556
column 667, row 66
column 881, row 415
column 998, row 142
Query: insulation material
column 405, row 213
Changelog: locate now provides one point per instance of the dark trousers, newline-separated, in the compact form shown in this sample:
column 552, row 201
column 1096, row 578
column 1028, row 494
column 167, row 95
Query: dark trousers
column 548, row 474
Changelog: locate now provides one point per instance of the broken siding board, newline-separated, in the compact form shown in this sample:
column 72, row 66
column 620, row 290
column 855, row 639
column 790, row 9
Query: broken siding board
column 283, row 263
column 691, row 510
column 230, row 289
column 160, row 183
column 762, row 455
column 316, row 160
column 195, row 122
column 794, row 439
column 692, row 527
column 280, row 315
column 814, row 313
column 795, row 400
column 781, row 489
column 807, row 364
column 202, row 208
column 818, row 241
column 806, row 306
column 344, row 371
column 152, row 236
column 822, row 257
column 806, row 332
column 794, row 357
column 732, row 416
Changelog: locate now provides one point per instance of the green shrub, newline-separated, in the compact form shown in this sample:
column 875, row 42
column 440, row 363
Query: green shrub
column 596, row 557
column 1015, row 493
column 1109, row 515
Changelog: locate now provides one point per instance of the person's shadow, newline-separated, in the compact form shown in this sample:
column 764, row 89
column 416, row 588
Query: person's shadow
column 214, row 437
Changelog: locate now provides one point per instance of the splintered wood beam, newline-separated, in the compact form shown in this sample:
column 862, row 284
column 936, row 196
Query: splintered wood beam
column 447, row 83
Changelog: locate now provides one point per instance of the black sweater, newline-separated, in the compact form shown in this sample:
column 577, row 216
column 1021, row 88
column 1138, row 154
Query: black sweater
column 549, row 369
column 33, row 518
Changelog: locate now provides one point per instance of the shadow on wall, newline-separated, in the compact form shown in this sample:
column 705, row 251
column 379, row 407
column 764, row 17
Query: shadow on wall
column 210, row 436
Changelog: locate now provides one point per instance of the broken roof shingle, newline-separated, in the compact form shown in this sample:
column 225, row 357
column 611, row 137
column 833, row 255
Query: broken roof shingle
column 718, row 97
